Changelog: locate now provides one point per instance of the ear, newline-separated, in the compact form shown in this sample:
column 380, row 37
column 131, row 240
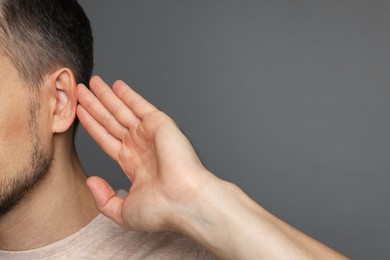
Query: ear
column 64, row 113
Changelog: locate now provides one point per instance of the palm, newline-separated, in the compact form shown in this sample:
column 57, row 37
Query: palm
column 151, row 150
column 156, row 170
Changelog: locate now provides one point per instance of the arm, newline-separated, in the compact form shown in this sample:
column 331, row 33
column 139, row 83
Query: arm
column 171, row 189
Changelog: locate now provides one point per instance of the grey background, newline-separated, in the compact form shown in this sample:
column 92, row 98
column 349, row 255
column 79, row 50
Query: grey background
column 288, row 99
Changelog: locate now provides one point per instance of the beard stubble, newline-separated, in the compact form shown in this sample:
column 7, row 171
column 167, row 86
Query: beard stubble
column 14, row 190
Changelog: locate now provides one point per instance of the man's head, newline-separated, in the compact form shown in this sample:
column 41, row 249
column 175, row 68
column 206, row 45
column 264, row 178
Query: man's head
column 45, row 50
column 39, row 36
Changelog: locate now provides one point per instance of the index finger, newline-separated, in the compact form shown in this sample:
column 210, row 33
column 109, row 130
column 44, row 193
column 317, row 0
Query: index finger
column 140, row 106
column 112, row 103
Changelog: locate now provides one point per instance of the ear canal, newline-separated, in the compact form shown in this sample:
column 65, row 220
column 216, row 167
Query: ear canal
column 62, row 100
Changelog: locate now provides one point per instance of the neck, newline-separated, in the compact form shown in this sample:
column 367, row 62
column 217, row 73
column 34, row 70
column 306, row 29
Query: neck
column 58, row 207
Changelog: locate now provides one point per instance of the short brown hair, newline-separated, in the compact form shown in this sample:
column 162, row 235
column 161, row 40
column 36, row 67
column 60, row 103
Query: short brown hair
column 38, row 35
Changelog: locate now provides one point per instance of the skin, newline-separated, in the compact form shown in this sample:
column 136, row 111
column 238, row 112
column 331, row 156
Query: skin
column 19, row 137
column 171, row 191
column 29, row 173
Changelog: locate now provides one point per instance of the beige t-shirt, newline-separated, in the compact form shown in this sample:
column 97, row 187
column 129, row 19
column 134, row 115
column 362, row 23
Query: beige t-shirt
column 104, row 239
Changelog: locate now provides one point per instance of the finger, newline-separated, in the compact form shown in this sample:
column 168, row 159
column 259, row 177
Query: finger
column 106, row 199
column 96, row 109
column 140, row 106
column 116, row 107
column 102, row 137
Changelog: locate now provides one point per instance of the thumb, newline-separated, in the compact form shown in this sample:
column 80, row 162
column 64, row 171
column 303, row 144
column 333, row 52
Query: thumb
column 106, row 199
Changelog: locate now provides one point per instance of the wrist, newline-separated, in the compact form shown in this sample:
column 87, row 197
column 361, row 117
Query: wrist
column 216, row 211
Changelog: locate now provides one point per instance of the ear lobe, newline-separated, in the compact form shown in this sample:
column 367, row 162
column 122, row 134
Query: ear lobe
column 65, row 100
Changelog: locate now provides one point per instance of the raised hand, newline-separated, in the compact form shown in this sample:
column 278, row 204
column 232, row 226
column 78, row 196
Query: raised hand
column 162, row 165
column 171, row 189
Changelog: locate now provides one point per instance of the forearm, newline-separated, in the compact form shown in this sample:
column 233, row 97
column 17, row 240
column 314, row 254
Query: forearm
column 233, row 226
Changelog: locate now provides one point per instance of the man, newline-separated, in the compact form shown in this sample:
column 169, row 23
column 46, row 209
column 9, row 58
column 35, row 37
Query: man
column 48, row 207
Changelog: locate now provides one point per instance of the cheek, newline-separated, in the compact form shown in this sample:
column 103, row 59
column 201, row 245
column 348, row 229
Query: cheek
column 12, row 128
column 13, row 121
column 14, row 136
